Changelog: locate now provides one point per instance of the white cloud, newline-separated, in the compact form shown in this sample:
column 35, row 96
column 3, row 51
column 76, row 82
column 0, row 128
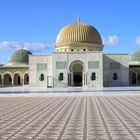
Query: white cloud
column 7, row 45
column 138, row 40
column 111, row 40
column 13, row 45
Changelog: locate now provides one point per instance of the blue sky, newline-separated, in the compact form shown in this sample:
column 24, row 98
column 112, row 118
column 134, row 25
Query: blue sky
column 36, row 23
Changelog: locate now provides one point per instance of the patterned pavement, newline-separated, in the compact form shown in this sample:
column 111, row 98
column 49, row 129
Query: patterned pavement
column 70, row 118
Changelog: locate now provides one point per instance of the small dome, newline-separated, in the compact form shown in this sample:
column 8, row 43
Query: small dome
column 79, row 32
column 20, row 56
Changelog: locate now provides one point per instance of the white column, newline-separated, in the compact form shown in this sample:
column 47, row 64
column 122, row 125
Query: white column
column 68, row 79
column 72, row 84
column 23, row 80
column 71, row 79
column 12, row 81
column 2, row 81
column 83, row 78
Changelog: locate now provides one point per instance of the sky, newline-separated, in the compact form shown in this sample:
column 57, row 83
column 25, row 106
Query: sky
column 35, row 24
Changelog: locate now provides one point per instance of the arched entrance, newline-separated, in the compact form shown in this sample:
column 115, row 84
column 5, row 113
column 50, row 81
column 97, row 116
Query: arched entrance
column 17, row 80
column 7, row 79
column 26, row 79
column 77, row 75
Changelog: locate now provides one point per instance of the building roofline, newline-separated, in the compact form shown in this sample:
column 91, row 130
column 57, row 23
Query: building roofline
column 41, row 55
column 116, row 54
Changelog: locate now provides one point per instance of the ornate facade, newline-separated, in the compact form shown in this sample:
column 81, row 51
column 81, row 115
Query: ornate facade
column 16, row 71
column 78, row 60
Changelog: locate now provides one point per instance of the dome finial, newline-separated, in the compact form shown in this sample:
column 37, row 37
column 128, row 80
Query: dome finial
column 78, row 18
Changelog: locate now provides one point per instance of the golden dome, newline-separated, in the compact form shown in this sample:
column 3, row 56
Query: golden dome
column 79, row 32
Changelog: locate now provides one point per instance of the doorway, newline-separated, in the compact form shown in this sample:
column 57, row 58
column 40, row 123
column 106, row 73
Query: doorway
column 77, row 75
column 77, row 78
column 7, row 80
column 26, row 79
column 17, row 80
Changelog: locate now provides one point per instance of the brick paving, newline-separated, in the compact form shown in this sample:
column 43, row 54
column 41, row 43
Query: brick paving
column 70, row 118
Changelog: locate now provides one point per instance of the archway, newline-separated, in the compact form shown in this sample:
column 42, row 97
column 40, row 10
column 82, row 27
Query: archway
column 77, row 74
column 0, row 80
column 26, row 79
column 7, row 79
column 17, row 80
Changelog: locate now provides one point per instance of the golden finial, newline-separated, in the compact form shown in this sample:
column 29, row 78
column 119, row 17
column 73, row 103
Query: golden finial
column 78, row 18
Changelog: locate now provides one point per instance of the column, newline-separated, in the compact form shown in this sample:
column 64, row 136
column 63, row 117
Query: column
column 72, row 84
column 71, row 79
column 23, row 80
column 12, row 81
column 2, row 81
column 68, row 79
column 84, row 78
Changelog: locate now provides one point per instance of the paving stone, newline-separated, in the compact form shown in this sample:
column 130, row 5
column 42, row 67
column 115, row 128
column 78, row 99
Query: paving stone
column 70, row 118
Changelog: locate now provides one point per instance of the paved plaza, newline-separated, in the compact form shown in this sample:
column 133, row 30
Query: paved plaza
column 70, row 118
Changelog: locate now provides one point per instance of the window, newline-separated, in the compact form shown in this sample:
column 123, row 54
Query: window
column 115, row 76
column 115, row 65
column 84, row 50
column 93, row 64
column 41, row 66
column 61, row 77
column 41, row 78
column 93, row 76
column 71, row 50
column 61, row 64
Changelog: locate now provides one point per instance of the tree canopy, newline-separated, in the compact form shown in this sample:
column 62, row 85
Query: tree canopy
column 136, row 55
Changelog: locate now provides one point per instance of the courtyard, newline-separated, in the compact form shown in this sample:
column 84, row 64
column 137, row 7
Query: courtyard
column 86, row 116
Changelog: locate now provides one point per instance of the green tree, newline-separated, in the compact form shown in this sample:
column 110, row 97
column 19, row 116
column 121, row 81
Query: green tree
column 136, row 55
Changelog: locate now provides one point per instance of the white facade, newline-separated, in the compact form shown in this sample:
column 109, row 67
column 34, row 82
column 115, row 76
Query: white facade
column 79, row 61
column 52, row 66
column 116, row 64
column 40, row 64
column 104, row 67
